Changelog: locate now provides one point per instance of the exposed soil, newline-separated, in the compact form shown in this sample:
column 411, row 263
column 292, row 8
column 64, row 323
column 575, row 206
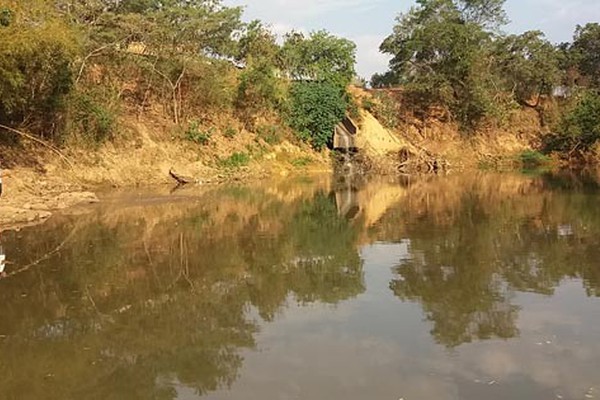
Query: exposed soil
column 422, row 146
column 38, row 182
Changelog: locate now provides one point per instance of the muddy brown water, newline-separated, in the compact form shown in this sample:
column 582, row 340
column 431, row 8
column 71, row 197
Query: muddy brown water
column 479, row 286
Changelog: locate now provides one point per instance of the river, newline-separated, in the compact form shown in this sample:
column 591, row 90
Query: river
column 475, row 286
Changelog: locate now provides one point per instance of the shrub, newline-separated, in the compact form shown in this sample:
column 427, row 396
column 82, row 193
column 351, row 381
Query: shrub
column 383, row 107
column 236, row 160
column 230, row 132
column 579, row 129
column 316, row 107
column 194, row 134
column 259, row 89
column 301, row 161
column 35, row 75
column 533, row 159
column 92, row 117
column 269, row 133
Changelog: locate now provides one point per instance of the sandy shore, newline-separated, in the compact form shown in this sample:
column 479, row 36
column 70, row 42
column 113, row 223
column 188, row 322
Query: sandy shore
column 30, row 198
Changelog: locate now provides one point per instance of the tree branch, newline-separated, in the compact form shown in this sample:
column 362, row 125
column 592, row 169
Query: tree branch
column 39, row 141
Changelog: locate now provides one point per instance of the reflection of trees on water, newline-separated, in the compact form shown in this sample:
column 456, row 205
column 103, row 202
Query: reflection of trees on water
column 465, row 269
column 141, row 302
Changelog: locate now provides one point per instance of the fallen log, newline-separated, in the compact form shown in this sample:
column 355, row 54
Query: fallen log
column 181, row 179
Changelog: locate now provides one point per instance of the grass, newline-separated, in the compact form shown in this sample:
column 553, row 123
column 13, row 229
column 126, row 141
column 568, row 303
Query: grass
column 230, row 132
column 533, row 159
column 301, row 162
column 269, row 133
column 236, row 160
column 194, row 134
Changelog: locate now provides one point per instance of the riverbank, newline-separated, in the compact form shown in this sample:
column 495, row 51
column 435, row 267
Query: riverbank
column 39, row 182
column 44, row 183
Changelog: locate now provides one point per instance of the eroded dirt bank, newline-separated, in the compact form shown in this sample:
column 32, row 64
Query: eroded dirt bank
column 38, row 182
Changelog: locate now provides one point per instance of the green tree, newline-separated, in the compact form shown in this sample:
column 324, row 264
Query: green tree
column 260, row 89
column 527, row 65
column 319, row 57
column 579, row 128
column 316, row 107
column 321, row 66
column 257, row 44
column 439, row 53
column 585, row 52
column 37, row 50
column 387, row 79
column 170, row 41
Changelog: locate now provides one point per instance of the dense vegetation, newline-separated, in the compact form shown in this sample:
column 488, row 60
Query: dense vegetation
column 453, row 54
column 69, row 67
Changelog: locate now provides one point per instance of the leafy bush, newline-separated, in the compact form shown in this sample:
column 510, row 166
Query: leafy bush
column 316, row 107
column 92, row 118
column 269, row 133
column 579, row 129
column 236, row 160
column 259, row 89
column 384, row 108
column 35, row 76
column 230, row 132
column 194, row 134
column 301, row 161
column 533, row 159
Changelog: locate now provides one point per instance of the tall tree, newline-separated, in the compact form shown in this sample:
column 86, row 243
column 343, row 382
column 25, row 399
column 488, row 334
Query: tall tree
column 586, row 52
column 37, row 49
column 527, row 65
column 437, row 52
column 319, row 57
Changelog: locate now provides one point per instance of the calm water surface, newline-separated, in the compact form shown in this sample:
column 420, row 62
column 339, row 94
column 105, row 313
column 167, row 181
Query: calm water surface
column 462, row 287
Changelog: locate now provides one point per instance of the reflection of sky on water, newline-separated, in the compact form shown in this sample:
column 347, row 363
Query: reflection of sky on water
column 2, row 260
column 377, row 347
column 472, row 289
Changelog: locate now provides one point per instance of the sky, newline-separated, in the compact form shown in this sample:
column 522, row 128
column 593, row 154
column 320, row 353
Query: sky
column 368, row 22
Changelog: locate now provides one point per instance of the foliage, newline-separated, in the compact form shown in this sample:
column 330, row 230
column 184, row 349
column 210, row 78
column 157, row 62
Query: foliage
column 59, row 58
column 585, row 52
column 195, row 134
column 6, row 17
column 269, row 133
column 383, row 107
column 91, row 117
column 301, row 161
column 316, row 107
column 318, row 57
column 320, row 66
column 257, row 44
column 230, row 132
column 452, row 54
column 527, row 65
column 259, row 89
column 533, row 159
column 436, row 51
column 35, row 74
column 385, row 80
column 236, row 160
column 579, row 129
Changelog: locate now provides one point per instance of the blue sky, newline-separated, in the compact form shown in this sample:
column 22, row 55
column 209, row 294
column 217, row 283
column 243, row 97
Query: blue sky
column 367, row 22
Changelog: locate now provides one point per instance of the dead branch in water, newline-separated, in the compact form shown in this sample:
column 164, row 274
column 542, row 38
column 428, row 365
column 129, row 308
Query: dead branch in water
column 39, row 141
column 180, row 179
